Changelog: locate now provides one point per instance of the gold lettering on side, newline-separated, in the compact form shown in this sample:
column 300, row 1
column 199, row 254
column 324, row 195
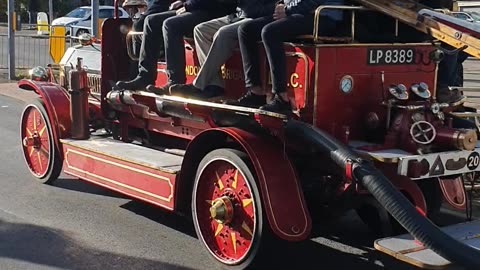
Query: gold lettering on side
column 231, row 74
column 191, row 70
column 293, row 80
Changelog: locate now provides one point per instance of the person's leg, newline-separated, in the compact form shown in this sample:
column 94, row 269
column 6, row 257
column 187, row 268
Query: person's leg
column 203, row 35
column 152, row 43
column 174, row 30
column 224, row 42
column 249, row 33
column 446, row 75
column 273, row 36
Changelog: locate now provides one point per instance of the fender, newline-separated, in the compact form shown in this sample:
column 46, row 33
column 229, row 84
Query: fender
column 280, row 189
column 406, row 185
column 57, row 104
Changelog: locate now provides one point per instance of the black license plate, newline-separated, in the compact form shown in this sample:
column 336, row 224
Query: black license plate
column 391, row 56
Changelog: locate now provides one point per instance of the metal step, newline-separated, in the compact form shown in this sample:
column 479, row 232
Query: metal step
column 406, row 248
column 129, row 152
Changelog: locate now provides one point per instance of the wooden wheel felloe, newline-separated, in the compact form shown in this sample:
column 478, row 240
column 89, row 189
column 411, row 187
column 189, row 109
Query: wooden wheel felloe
column 226, row 208
column 39, row 151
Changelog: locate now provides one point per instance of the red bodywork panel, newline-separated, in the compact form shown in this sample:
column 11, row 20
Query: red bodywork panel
column 57, row 104
column 316, row 91
column 137, row 181
column 350, row 110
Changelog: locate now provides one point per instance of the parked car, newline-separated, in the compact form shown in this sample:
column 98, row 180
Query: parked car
column 79, row 19
column 467, row 16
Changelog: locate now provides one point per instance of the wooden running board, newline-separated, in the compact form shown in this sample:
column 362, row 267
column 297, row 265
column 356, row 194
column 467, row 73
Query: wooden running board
column 406, row 248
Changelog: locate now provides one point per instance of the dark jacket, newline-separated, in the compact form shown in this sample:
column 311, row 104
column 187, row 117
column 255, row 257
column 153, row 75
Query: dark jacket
column 255, row 8
column 309, row 6
column 157, row 6
column 217, row 7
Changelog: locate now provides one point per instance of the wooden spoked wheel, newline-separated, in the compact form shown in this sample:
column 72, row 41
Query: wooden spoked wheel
column 37, row 141
column 226, row 208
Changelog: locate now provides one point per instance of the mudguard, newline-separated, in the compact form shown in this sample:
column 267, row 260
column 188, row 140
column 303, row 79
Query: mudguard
column 57, row 104
column 281, row 192
column 406, row 185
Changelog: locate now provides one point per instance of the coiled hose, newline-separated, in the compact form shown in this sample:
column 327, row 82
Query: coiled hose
column 387, row 195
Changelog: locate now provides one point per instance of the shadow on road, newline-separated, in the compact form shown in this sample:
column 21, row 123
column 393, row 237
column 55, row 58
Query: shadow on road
column 156, row 214
column 310, row 254
column 51, row 247
column 84, row 187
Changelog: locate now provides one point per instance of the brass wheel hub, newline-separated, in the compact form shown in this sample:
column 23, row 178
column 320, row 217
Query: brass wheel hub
column 33, row 140
column 222, row 210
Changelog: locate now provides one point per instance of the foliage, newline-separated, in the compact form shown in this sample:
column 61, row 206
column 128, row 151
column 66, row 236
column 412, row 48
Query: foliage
column 61, row 7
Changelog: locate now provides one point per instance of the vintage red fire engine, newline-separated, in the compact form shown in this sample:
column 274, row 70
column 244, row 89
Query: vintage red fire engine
column 368, row 134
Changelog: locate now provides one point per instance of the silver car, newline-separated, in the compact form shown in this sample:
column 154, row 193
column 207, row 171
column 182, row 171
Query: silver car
column 79, row 19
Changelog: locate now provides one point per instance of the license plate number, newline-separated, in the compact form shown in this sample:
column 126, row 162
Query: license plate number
column 397, row 56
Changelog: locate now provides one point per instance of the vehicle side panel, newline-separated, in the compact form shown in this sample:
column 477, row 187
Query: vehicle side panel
column 137, row 181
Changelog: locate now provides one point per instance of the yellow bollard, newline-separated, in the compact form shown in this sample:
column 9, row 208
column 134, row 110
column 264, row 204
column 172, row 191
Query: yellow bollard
column 42, row 24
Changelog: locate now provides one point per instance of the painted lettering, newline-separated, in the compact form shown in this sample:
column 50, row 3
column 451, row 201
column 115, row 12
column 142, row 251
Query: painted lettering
column 293, row 80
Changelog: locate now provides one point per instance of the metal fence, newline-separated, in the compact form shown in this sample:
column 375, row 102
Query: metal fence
column 31, row 49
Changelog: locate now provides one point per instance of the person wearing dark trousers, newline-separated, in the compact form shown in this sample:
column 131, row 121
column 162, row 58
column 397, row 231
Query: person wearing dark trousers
column 451, row 64
column 215, row 42
column 290, row 19
column 170, row 27
column 157, row 6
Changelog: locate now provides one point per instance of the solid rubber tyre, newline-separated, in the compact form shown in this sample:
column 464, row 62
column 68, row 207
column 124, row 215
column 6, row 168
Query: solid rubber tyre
column 206, row 188
column 43, row 162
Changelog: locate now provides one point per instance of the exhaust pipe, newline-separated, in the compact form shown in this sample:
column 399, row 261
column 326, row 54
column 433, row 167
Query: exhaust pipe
column 387, row 195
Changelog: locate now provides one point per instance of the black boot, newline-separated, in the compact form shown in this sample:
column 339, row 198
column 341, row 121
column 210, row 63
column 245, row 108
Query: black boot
column 250, row 100
column 278, row 105
column 163, row 90
column 139, row 83
column 450, row 96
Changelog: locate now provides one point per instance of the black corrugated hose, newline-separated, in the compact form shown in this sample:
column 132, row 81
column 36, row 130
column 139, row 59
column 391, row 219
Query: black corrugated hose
column 387, row 195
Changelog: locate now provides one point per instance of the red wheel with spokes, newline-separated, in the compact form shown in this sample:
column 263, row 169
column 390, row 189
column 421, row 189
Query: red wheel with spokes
column 38, row 146
column 227, row 210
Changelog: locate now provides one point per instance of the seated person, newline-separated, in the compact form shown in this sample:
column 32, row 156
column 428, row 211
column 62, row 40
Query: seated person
column 169, row 28
column 290, row 19
column 215, row 41
column 157, row 6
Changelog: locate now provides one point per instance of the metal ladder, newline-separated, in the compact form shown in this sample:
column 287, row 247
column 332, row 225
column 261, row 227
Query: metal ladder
column 409, row 12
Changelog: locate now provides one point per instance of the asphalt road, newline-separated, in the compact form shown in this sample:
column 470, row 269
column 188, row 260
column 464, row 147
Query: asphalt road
column 75, row 225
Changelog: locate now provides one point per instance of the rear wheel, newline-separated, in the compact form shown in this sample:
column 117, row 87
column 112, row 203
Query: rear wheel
column 378, row 220
column 41, row 155
column 226, row 208
column 433, row 195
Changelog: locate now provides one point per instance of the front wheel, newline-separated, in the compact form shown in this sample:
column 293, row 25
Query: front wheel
column 226, row 208
column 38, row 145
